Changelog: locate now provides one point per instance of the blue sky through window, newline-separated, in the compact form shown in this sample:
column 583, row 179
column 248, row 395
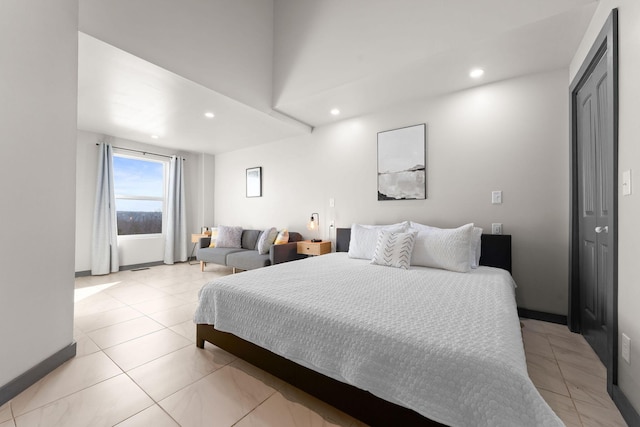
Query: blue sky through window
column 136, row 177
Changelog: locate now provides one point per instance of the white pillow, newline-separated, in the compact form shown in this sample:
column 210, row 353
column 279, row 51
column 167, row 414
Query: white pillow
column 266, row 239
column 394, row 249
column 447, row 249
column 229, row 237
column 364, row 238
column 474, row 248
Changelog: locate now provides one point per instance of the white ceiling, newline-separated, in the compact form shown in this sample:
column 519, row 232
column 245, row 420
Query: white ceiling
column 122, row 95
column 360, row 56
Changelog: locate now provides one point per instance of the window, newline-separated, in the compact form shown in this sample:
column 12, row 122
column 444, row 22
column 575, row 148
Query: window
column 139, row 190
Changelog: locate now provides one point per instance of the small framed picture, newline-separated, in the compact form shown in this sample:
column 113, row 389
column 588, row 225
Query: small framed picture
column 254, row 182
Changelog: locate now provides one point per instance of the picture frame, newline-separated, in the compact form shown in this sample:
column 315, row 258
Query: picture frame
column 402, row 163
column 254, row 182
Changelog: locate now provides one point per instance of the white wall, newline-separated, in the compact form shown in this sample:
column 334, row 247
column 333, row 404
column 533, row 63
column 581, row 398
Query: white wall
column 510, row 136
column 38, row 88
column 138, row 250
column 628, row 159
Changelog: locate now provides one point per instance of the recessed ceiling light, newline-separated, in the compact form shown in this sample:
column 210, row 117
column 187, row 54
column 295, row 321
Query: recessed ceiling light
column 335, row 111
column 476, row 72
column 154, row 136
column 209, row 115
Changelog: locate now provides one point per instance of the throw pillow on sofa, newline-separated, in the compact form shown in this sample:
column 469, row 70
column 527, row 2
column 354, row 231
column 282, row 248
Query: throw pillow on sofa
column 229, row 237
column 283, row 237
column 214, row 236
column 267, row 237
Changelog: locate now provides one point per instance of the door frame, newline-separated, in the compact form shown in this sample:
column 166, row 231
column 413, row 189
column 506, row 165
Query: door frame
column 605, row 44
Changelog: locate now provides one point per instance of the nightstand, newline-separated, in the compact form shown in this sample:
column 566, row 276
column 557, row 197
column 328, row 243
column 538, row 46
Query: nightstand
column 307, row 247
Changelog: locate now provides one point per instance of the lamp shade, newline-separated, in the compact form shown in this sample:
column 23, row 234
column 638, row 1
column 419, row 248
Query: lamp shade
column 314, row 221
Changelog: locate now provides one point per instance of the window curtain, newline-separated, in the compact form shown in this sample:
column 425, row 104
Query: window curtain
column 175, row 247
column 104, row 244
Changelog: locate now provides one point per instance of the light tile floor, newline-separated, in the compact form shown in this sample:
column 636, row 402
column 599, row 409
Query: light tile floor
column 137, row 365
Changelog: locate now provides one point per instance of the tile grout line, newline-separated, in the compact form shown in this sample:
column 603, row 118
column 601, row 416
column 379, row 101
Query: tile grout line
column 564, row 380
column 257, row 406
column 70, row 394
column 575, row 399
column 155, row 403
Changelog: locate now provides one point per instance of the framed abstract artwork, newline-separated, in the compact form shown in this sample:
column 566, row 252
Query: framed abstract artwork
column 254, row 182
column 402, row 163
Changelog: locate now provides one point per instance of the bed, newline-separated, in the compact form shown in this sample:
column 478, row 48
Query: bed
column 380, row 343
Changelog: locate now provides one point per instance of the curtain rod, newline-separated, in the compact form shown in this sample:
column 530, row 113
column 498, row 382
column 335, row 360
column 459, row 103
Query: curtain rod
column 143, row 152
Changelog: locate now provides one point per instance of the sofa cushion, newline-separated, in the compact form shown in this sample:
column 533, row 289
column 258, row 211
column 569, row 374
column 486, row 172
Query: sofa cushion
column 250, row 238
column 295, row 237
column 216, row 255
column 247, row 260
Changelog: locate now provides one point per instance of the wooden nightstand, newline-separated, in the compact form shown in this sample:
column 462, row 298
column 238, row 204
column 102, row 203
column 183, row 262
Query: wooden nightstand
column 307, row 247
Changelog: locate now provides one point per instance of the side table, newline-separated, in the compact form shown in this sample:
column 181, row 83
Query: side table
column 195, row 239
column 307, row 247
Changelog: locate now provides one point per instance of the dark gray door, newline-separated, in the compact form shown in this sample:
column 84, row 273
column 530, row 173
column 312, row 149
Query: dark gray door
column 595, row 202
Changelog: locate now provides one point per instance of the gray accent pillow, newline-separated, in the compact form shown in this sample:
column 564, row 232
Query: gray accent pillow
column 229, row 237
column 394, row 249
column 266, row 240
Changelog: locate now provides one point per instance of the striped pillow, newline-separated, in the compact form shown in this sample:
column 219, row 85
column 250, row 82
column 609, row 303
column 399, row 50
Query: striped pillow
column 394, row 249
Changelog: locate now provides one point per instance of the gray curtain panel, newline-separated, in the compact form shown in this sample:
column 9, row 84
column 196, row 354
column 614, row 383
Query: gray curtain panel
column 175, row 247
column 104, row 244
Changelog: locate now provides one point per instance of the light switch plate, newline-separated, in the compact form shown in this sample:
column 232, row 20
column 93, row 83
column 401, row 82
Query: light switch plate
column 496, row 197
column 496, row 228
column 626, row 348
column 626, row 183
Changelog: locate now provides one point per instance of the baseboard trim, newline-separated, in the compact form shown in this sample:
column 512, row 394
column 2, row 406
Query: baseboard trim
column 27, row 379
column 628, row 412
column 143, row 265
column 539, row 315
column 124, row 268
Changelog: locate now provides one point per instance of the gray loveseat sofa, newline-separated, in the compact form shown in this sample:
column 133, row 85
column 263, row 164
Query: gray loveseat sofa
column 247, row 257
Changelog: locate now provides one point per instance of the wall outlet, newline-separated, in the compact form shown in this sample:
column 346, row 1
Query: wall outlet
column 626, row 348
column 332, row 202
column 496, row 228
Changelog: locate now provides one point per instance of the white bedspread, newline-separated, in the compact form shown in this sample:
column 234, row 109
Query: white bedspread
column 444, row 344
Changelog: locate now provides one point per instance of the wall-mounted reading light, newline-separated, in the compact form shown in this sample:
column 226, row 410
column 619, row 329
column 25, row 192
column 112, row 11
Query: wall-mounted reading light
column 314, row 225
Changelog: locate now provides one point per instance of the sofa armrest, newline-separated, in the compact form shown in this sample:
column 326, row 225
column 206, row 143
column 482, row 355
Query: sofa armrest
column 284, row 253
column 205, row 242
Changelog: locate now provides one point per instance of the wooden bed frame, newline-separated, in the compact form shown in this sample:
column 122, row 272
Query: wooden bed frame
column 495, row 252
